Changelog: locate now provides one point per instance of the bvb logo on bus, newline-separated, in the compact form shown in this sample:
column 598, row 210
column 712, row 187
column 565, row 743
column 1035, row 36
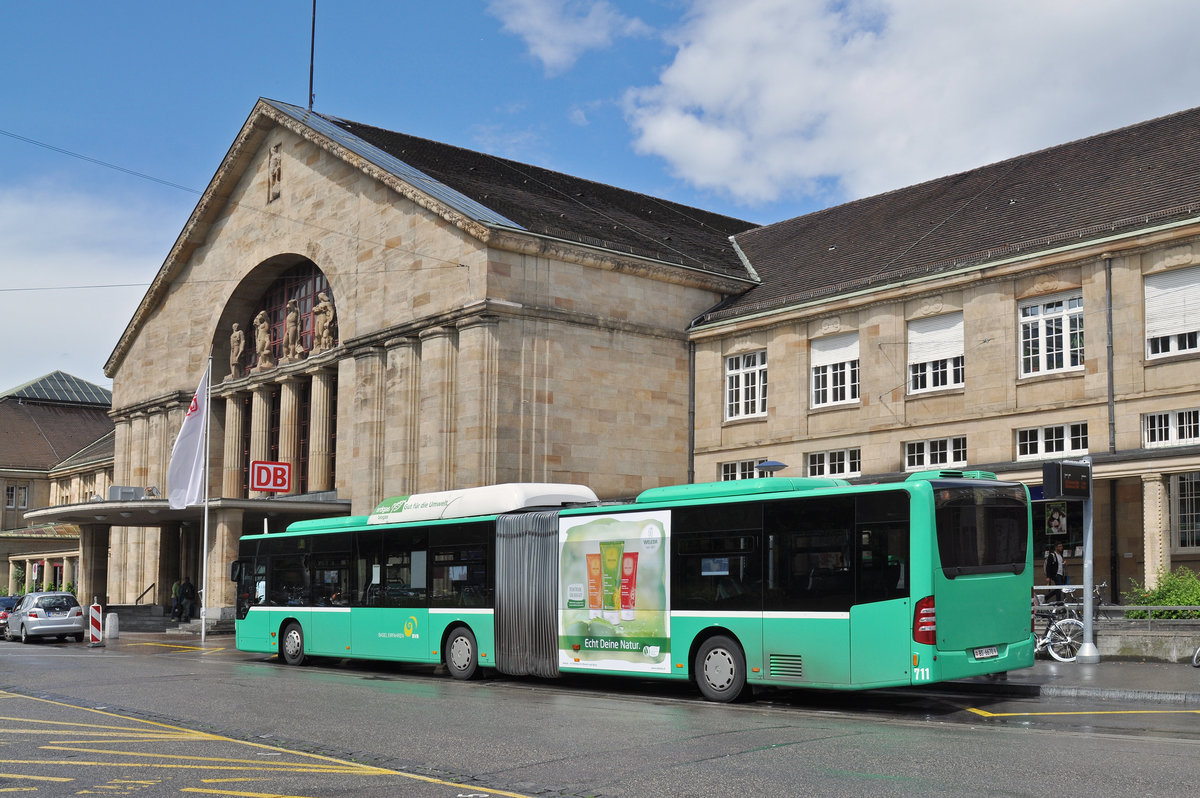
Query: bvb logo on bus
column 410, row 627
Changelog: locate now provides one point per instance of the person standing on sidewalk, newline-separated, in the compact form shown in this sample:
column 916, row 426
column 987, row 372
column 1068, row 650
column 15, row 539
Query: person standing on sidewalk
column 187, row 596
column 175, row 600
column 1056, row 571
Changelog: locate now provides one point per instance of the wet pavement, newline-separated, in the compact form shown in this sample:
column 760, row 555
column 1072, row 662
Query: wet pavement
column 1163, row 682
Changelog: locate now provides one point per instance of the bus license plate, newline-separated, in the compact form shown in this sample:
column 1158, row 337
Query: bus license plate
column 986, row 652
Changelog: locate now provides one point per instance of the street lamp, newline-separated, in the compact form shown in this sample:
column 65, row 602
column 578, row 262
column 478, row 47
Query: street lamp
column 770, row 467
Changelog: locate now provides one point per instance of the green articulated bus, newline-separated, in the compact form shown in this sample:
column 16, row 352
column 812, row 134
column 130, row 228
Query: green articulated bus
column 776, row 581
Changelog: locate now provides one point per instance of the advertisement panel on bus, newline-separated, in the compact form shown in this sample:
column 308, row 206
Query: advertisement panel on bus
column 613, row 606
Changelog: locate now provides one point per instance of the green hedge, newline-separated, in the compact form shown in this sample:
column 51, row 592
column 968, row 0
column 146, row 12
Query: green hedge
column 1179, row 588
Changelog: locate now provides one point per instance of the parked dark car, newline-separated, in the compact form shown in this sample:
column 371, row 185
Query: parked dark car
column 46, row 615
column 7, row 603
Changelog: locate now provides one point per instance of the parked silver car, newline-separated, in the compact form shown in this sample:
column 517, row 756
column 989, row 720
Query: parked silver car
column 46, row 615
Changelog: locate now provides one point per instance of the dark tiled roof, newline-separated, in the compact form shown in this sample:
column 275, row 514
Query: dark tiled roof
column 1142, row 175
column 58, row 386
column 570, row 208
column 97, row 451
column 37, row 435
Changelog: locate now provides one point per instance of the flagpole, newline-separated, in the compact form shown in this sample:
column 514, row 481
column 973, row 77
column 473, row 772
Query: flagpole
column 204, row 549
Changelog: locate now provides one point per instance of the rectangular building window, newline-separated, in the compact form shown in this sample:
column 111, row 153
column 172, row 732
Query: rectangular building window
column 936, row 453
column 1051, row 334
column 834, row 370
column 10, row 497
column 935, row 353
column 840, row 463
column 1173, row 312
column 742, row 469
column 1174, row 428
column 746, row 385
column 1185, row 510
column 1047, row 442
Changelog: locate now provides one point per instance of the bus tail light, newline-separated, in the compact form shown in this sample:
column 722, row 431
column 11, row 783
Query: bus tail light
column 925, row 622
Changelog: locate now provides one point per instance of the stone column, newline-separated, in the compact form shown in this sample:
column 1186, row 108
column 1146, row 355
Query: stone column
column 402, row 432
column 12, row 578
column 320, row 420
column 260, row 428
column 369, row 424
column 437, row 434
column 94, row 544
column 476, row 400
column 231, row 459
column 1156, row 526
column 224, row 534
column 289, row 428
column 68, row 571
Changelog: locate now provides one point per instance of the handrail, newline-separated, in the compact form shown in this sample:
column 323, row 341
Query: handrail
column 138, row 600
column 1150, row 609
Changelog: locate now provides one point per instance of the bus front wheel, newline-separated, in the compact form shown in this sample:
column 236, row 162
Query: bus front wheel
column 291, row 645
column 461, row 659
column 720, row 669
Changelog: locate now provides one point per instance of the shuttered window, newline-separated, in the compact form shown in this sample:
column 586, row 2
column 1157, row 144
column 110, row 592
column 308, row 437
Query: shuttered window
column 834, row 369
column 1173, row 312
column 935, row 353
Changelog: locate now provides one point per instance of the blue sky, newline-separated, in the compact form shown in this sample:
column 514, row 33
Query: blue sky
column 114, row 116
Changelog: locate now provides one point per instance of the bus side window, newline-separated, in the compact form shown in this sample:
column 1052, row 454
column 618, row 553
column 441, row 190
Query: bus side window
column 810, row 558
column 882, row 546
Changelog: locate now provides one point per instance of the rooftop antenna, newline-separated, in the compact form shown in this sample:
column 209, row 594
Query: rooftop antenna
column 312, row 48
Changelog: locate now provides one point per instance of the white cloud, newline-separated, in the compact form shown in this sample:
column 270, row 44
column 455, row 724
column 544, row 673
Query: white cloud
column 768, row 99
column 54, row 242
column 558, row 32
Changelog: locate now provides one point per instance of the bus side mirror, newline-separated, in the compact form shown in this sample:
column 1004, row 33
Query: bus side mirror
column 236, row 569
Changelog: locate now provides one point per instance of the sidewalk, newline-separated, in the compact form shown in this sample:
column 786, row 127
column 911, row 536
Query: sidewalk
column 1122, row 680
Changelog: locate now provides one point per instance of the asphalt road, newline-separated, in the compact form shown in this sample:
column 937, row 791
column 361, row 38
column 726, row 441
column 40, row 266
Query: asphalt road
column 160, row 716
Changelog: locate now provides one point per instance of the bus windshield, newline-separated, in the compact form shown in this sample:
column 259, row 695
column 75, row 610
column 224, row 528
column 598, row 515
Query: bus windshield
column 982, row 529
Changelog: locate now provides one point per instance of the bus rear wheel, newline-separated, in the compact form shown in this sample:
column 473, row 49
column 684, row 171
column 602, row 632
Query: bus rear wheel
column 291, row 645
column 461, row 659
column 720, row 669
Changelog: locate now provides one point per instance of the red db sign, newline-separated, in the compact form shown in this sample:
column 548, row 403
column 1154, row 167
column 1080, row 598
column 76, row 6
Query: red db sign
column 267, row 476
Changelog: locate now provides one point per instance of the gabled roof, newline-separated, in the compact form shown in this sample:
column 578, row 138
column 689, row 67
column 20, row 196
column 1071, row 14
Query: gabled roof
column 554, row 204
column 1136, row 177
column 58, row 386
column 485, row 192
column 38, row 435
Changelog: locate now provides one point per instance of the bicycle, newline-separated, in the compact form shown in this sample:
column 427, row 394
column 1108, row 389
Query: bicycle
column 1075, row 609
column 1062, row 637
column 1196, row 658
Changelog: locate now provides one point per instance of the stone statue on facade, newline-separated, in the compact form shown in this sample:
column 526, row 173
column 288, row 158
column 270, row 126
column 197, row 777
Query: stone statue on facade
column 293, row 347
column 323, row 316
column 262, row 340
column 237, row 348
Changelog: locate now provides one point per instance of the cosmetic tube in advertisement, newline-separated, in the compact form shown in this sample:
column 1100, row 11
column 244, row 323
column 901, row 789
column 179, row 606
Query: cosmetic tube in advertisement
column 595, row 585
column 628, row 585
column 610, row 560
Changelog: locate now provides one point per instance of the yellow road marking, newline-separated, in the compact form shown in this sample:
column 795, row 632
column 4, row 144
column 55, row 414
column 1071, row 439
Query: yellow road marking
column 182, row 647
column 987, row 714
column 309, row 763
column 35, row 778
column 242, row 794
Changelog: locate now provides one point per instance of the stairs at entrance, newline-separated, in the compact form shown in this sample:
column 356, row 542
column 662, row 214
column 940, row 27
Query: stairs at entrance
column 153, row 618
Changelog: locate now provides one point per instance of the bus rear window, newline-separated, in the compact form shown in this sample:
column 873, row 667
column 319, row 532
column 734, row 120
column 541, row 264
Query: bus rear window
column 981, row 529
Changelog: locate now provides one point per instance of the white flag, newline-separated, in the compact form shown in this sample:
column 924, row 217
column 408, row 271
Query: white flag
column 185, row 474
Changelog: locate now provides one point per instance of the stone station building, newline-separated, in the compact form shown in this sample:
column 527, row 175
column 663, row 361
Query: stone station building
column 391, row 315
